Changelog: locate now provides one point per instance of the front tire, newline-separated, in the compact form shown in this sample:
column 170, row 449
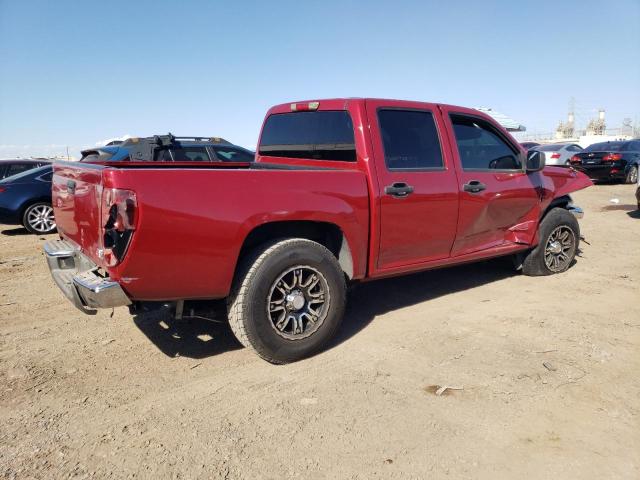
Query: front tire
column 288, row 300
column 632, row 174
column 38, row 218
column 559, row 238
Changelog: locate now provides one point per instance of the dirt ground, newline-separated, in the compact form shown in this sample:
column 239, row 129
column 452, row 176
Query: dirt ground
column 117, row 397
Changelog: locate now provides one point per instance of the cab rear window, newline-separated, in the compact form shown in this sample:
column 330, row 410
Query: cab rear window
column 323, row 135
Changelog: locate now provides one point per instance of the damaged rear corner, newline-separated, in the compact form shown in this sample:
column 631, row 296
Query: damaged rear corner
column 81, row 280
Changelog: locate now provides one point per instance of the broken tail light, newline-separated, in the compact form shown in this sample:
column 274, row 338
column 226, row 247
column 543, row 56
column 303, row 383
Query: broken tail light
column 611, row 157
column 118, row 219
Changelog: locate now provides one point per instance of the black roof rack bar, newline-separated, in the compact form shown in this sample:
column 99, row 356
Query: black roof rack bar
column 172, row 138
column 169, row 139
column 204, row 139
column 199, row 139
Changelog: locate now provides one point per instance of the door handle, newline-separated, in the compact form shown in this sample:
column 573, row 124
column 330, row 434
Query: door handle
column 398, row 190
column 474, row 186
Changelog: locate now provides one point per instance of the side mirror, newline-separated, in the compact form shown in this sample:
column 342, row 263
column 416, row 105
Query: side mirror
column 535, row 161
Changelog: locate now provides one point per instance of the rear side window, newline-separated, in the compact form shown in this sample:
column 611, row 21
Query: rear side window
column 181, row 154
column 232, row 154
column 190, row 154
column 17, row 168
column 323, row 135
column 549, row 148
column 162, row 155
column 410, row 140
column 480, row 147
column 605, row 147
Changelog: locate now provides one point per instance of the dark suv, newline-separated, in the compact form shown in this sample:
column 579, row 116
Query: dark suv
column 8, row 168
column 168, row 148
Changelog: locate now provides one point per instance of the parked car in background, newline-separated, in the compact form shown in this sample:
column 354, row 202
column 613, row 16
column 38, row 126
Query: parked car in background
column 610, row 161
column 325, row 202
column 25, row 199
column 638, row 192
column 528, row 145
column 19, row 165
column 559, row 153
column 168, row 148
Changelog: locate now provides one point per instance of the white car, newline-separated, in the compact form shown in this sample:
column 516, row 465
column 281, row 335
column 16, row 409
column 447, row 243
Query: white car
column 558, row 153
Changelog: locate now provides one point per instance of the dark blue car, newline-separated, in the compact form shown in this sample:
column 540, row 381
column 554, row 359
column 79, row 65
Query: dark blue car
column 25, row 199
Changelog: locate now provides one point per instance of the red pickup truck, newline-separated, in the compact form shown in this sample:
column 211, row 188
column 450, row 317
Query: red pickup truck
column 341, row 190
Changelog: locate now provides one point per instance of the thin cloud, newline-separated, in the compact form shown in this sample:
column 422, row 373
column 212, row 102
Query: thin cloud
column 102, row 143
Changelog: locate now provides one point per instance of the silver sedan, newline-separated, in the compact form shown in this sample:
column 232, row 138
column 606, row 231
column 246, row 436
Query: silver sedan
column 558, row 153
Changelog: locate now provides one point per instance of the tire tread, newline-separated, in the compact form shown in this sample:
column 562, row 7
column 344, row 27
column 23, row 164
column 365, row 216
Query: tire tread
column 246, row 273
column 533, row 264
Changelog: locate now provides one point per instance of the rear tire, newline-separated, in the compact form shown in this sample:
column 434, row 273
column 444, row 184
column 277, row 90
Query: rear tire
column 559, row 238
column 38, row 218
column 288, row 300
column 632, row 174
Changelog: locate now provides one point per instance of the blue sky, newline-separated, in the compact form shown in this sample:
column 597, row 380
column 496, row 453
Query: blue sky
column 77, row 72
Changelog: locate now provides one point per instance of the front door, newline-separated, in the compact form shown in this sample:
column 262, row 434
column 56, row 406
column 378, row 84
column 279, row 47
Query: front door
column 499, row 202
column 418, row 203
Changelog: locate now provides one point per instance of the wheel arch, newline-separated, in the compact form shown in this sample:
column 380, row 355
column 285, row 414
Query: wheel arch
column 32, row 201
column 327, row 234
column 558, row 202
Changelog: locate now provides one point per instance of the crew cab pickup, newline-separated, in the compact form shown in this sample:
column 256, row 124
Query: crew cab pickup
column 341, row 190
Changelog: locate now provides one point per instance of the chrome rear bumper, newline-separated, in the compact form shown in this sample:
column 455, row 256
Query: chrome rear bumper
column 79, row 279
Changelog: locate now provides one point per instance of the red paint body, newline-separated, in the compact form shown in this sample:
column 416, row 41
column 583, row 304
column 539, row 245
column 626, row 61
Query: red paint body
column 192, row 220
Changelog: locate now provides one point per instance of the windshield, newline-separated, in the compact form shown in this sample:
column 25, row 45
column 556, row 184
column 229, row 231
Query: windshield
column 34, row 171
column 550, row 148
column 605, row 147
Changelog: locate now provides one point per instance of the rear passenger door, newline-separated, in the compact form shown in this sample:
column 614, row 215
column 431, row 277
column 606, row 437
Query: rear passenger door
column 418, row 203
column 499, row 201
column 634, row 152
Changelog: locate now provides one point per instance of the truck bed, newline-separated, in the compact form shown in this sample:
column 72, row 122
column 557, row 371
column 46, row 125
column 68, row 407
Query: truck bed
column 192, row 220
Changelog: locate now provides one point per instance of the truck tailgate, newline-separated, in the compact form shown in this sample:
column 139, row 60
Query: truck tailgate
column 76, row 190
